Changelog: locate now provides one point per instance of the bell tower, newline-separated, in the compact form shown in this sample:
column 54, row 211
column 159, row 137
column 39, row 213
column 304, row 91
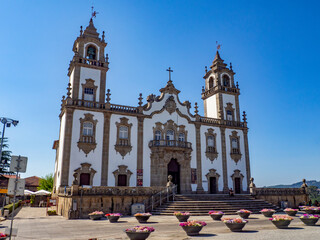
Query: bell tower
column 220, row 94
column 89, row 65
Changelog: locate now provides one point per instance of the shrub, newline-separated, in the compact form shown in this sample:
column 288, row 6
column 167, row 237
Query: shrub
column 10, row 206
column 52, row 212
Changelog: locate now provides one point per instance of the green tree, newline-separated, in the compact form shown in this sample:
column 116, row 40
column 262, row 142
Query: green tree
column 46, row 183
column 313, row 193
column 5, row 157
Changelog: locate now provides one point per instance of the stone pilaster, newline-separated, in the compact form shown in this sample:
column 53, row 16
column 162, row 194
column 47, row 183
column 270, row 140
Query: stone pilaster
column 105, row 149
column 102, row 90
column 199, row 165
column 236, row 97
column 75, row 82
column 66, row 147
column 140, row 152
column 246, row 149
column 224, row 160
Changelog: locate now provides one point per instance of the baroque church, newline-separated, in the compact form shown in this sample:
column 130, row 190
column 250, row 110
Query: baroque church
column 106, row 144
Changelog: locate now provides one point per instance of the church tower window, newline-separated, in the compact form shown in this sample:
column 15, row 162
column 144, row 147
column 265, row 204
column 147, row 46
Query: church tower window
column 123, row 142
column 226, row 81
column 211, row 82
column 123, row 132
column 235, row 146
column 229, row 115
column 91, row 52
column 88, row 94
column 87, row 140
column 211, row 149
column 87, row 129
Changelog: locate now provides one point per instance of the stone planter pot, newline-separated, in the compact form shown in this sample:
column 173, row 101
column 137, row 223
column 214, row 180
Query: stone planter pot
column 317, row 211
column 235, row 227
column 244, row 215
column 113, row 219
column 3, row 238
column 309, row 211
column 138, row 235
column 183, row 218
column 216, row 216
column 95, row 217
column 291, row 213
column 267, row 214
column 309, row 221
column 192, row 231
column 281, row 224
column 142, row 219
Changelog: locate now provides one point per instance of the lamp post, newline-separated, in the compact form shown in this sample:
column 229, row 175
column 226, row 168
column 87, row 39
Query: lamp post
column 6, row 123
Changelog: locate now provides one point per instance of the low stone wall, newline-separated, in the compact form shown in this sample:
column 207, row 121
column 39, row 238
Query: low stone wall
column 77, row 202
column 293, row 196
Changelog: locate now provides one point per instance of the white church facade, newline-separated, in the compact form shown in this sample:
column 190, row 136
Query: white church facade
column 105, row 144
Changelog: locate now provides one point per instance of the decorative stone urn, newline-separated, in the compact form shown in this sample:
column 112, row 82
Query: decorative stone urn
column 268, row 214
column 192, row 230
column 216, row 216
column 113, row 219
column 309, row 211
column 138, row 235
column 183, row 218
column 95, row 217
column 235, row 227
column 142, row 219
column 244, row 214
column 291, row 213
column 281, row 224
column 309, row 221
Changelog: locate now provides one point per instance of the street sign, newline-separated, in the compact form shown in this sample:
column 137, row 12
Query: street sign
column 20, row 186
column 3, row 190
column 22, row 164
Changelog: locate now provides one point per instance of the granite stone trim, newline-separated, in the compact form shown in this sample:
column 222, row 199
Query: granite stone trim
column 105, row 150
column 199, row 164
column 246, row 149
column 224, row 160
column 140, row 145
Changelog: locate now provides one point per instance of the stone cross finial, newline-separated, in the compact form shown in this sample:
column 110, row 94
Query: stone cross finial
column 108, row 96
column 81, row 31
column 203, row 89
column 69, row 90
column 230, row 65
column 206, row 69
column 244, row 116
column 170, row 71
column 103, row 36
column 107, row 58
column 140, row 99
column 196, row 108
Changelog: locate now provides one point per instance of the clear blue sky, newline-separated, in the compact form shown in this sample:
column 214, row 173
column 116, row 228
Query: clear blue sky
column 273, row 45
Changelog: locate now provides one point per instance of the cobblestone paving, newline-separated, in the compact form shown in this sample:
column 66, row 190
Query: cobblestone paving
column 32, row 223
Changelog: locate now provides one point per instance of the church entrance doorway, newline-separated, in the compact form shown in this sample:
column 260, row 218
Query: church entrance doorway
column 122, row 180
column 237, row 185
column 213, row 185
column 174, row 171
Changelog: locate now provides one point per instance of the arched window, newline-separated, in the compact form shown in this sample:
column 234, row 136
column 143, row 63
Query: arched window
column 123, row 132
column 88, row 94
column 181, row 137
column 170, row 135
column 229, row 115
column 157, row 135
column 91, row 52
column 211, row 83
column 210, row 141
column 226, row 81
column 87, row 129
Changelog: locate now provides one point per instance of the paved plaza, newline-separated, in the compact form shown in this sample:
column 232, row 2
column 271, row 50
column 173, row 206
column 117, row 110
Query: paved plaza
column 32, row 223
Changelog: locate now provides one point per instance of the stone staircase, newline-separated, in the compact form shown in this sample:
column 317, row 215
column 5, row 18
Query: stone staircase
column 201, row 204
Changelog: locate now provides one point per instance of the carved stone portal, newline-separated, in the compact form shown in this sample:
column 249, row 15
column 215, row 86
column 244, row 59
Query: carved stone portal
column 122, row 170
column 160, row 157
column 213, row 173
column 235, row 175
column 85, row 168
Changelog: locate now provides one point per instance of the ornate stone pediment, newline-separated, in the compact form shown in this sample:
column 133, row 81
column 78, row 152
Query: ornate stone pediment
column 169, row 88
column 170, row 105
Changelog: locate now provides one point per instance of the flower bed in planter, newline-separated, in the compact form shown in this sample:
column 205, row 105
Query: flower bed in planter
column 291, row 211
column 267, row 212
column 235, row 224
column 192, row 228
column 113, row 217
column 139, row 232
column 216, row 215
column 281, row 221
column 142, row 217
column 309, row 219
column 316, row 209
column 3, row 236
column 96, row 215
column 182, row 216
column 309, row 210
column 51, row 213
column 244, row 213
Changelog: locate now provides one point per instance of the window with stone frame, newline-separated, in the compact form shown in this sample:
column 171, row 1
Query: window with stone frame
column 87, row 140
column 123, row 142
column 91, row 52
column 89, row 90
column 229, row 112
column 211, row 147
column 157, row 135
column 170, row 137
column 226, row 81
column 210, row 82
column 122, row 176
column 235, row 146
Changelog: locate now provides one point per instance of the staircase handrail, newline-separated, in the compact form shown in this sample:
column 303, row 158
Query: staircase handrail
column 159, row 198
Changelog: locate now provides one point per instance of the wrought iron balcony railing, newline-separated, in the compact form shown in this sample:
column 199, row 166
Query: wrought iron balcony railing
column 169, row 143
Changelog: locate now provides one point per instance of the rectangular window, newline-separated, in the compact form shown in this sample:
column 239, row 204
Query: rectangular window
column 88, row 94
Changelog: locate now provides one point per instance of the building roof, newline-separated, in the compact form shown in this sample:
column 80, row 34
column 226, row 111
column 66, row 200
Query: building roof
column 32, row 181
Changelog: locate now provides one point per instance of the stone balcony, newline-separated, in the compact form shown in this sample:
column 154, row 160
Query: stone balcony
column 170, row 144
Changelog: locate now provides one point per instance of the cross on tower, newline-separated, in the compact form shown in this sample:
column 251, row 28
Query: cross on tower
column 170, row 71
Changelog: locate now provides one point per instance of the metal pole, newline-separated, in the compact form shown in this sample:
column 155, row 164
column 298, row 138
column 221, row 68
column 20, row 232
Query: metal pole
column 160, row 198
column 4, row 128
column 14, row 195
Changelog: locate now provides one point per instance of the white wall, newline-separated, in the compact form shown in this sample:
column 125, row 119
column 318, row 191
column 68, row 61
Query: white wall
column 60, row 151
column 77, row 156
column 86, row 73
column 115, row 159
column 212, row 111
column 206, row 162
column 71, row 80
column 231, row 164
